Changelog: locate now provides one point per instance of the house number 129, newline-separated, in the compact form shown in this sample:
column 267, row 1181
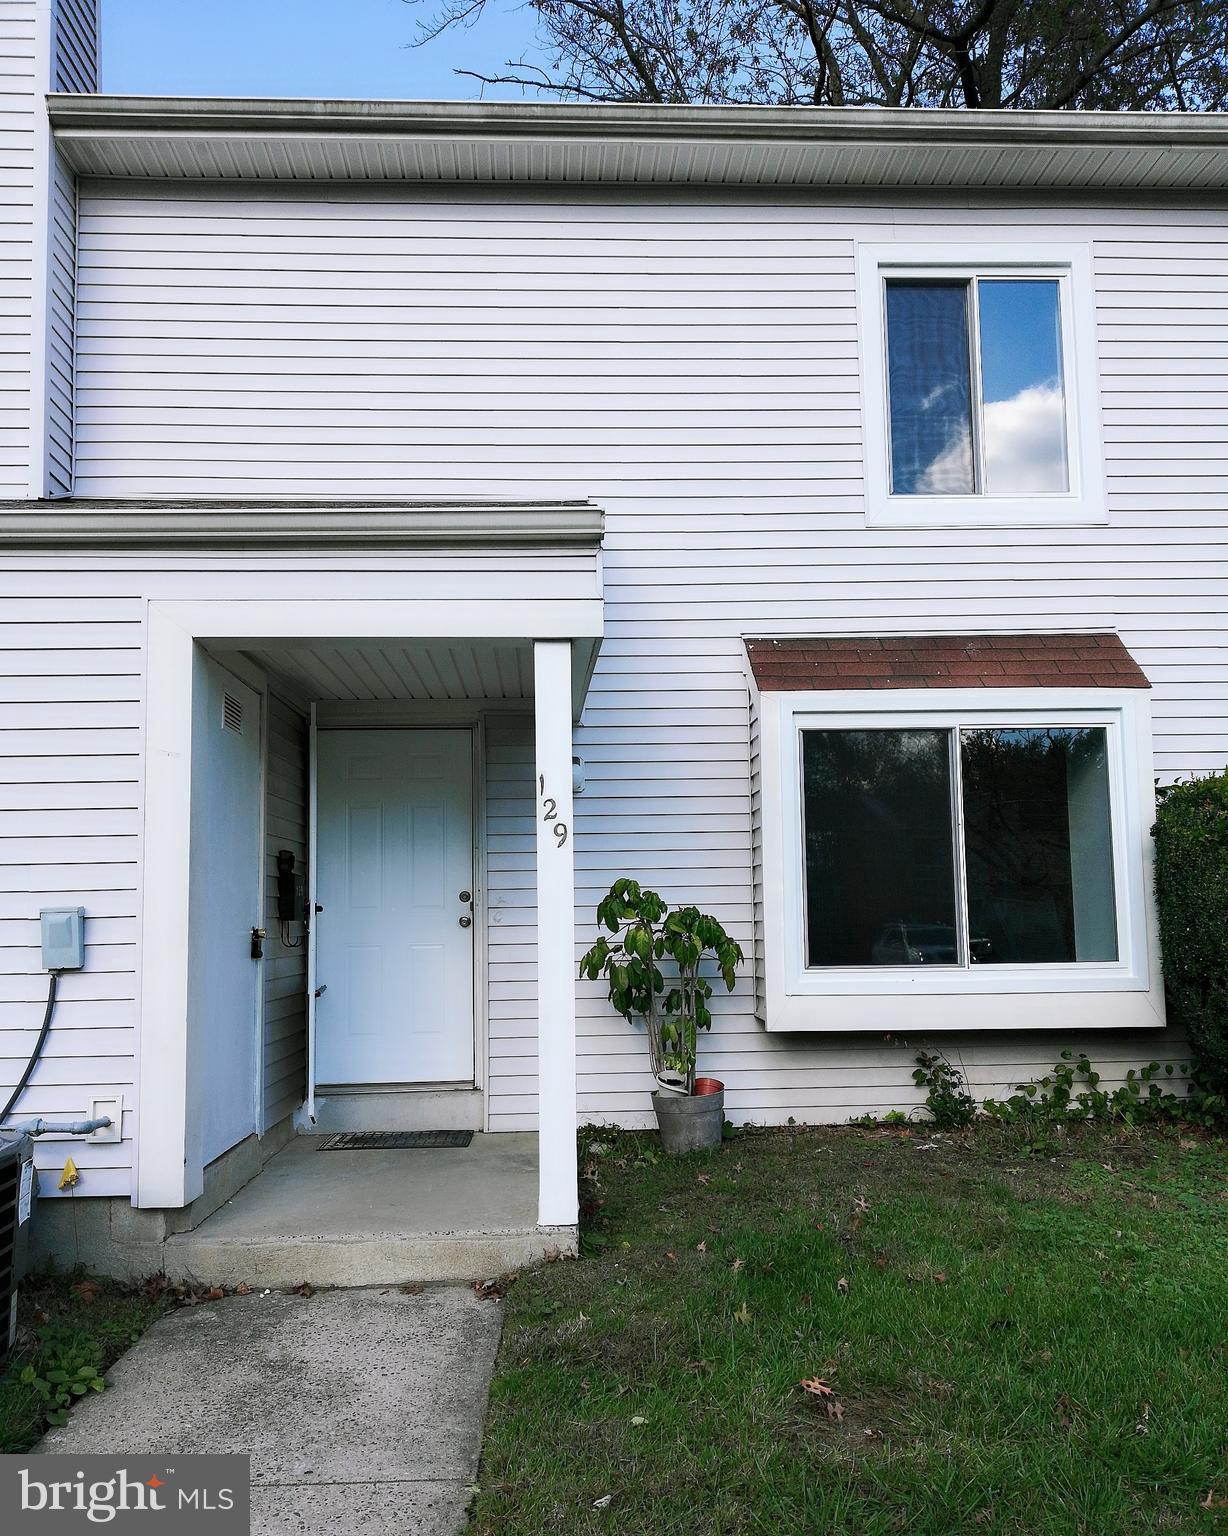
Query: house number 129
column 550, row 812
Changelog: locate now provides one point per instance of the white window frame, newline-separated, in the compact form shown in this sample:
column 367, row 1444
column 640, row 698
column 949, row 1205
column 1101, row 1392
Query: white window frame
column 1083, row 502
column 1121, row 993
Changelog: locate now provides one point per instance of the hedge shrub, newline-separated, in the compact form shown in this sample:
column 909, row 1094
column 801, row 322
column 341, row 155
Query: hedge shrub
column 1191, row 837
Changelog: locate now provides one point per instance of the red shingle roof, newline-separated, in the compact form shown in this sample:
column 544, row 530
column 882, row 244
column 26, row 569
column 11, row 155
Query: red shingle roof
column 944, row 661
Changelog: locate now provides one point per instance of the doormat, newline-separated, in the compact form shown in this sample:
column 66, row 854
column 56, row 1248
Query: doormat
column 392, row 1141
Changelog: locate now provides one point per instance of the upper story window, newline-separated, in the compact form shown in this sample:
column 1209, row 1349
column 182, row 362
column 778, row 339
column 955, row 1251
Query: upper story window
column 981, row 402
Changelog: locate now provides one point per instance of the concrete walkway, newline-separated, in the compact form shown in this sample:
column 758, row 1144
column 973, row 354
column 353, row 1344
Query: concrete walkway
column 362, row 1410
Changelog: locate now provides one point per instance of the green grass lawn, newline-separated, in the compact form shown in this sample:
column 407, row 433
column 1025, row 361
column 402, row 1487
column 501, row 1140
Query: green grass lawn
column 71, row 1330
column 1015, row 1343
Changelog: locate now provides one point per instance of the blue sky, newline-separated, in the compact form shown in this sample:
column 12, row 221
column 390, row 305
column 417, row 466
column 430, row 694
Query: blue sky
column 342, row 48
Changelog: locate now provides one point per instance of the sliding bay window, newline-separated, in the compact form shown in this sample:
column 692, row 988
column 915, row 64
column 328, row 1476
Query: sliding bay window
column 960, row 846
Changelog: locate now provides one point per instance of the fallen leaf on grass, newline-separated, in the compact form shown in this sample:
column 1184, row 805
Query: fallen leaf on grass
column 1211, row 1502
column 816, row 1387
column 703, row 1178
column 737, row 1265
column 842, row 1285
column 639, row 1419
column 701, row 1248
column 939, row 1277
column 604, row 1501
column 88, row 1290
column 743, row 1314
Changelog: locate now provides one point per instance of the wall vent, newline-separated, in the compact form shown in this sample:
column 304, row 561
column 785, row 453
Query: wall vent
column 232, row 713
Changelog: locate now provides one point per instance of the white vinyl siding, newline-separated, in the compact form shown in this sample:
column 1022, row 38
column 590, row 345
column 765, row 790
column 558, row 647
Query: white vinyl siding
column 511, row 924
column 694, row 369
column 70, row 795
column 284, row 1081
column 44, row 44
column 757, row 956
column 19, row 104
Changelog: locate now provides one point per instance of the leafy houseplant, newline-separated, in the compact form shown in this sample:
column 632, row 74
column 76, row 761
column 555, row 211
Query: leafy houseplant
column 645, row 934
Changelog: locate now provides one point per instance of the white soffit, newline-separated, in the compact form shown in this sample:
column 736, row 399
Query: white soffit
column 217, row 138
column 438, row 670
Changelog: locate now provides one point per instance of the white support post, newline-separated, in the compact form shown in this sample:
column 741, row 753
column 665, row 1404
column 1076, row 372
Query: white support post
column 163, row 1176
column 558, row 1197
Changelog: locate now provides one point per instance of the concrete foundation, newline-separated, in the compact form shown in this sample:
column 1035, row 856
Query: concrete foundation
column 114, row 1237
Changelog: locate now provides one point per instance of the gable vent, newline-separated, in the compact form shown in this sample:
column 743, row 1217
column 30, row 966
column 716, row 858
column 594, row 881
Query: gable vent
column 232, row 713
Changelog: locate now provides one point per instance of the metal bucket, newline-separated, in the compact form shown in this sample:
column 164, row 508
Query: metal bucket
column 690, row 1122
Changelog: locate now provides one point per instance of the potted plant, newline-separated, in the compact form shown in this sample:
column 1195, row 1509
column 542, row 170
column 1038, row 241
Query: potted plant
column 645, row 933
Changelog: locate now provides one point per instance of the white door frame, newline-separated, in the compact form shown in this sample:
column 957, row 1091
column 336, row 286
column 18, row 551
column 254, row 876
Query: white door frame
column 566, row 636
column 252, row 677
column 309, row 1103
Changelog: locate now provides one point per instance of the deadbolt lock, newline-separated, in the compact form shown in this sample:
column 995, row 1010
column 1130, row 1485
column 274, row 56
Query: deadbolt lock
column 465, row 896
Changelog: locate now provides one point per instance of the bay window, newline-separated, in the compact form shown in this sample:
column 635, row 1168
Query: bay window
column 961, row 846
column 971, row 850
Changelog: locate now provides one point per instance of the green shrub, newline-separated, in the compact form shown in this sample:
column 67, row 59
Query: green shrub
column 950, row 1104
column 1072, row 1091
column 1191, row 836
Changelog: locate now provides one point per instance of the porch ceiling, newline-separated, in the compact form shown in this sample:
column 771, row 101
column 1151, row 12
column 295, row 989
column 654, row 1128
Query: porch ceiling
column 436, row 670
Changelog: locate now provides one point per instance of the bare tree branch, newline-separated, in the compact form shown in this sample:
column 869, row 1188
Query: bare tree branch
column 1108, row 54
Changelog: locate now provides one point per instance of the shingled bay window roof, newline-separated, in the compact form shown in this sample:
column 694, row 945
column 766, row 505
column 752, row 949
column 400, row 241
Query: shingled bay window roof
column 943, row 661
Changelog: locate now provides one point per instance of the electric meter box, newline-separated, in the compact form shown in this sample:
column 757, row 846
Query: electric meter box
column 63, row 935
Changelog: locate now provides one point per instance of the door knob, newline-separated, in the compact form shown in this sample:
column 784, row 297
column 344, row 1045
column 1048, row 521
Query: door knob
column 465, row 896
column 466, row 921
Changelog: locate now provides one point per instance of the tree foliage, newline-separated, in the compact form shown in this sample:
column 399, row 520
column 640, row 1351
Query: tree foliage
column 1100, row 54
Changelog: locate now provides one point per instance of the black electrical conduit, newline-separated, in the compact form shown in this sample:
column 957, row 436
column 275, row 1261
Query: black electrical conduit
column 38, row 1048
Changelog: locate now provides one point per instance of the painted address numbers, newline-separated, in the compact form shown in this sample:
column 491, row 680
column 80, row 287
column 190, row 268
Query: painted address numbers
column 550, row 812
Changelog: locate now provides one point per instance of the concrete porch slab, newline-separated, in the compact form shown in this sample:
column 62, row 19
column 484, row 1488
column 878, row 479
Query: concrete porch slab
column 375, row 1218
column 362, row 1411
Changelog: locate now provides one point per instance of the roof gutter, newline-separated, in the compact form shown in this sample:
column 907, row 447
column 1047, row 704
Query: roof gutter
column 558, row 143
column 656, row 124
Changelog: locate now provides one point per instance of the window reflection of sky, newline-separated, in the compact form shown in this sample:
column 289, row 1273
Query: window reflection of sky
column 1021, row 385
column 1023, row 422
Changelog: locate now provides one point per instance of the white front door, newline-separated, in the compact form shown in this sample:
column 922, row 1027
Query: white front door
column 394, row 942
column 224, row 906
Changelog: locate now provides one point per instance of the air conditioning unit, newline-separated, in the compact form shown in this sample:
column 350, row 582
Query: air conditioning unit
column 16, row 1208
